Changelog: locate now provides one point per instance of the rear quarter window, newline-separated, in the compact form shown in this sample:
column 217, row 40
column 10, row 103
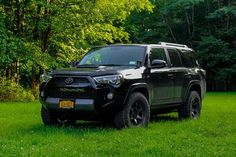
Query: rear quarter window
column 174, row 58
column 189, row 59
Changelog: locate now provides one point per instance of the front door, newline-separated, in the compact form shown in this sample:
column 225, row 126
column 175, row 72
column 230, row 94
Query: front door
column 162, row 79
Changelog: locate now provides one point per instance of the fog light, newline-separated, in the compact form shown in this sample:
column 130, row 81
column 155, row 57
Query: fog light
column 110, row 96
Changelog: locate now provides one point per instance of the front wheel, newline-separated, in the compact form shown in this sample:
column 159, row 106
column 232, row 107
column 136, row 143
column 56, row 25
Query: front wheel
column 136, row 113
column 191, row 109
column 47, row 117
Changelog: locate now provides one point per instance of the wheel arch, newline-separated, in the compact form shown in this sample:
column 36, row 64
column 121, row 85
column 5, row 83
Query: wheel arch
column 194, row 86
column 138, row 87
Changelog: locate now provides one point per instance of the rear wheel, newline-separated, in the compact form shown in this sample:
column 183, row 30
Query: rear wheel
column 136, row 113
column 192, row 107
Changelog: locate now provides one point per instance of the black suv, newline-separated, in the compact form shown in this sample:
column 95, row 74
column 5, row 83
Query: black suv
column 126, row 84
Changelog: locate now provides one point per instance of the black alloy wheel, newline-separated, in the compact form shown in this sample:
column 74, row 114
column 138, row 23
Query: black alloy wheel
column 191, row 109
column 195, row 108
column 136, row 112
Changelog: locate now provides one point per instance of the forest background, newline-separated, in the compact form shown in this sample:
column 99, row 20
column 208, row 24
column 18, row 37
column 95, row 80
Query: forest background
column 40, row 35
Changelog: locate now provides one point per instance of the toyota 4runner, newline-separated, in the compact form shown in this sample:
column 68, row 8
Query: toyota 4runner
column 126, row 84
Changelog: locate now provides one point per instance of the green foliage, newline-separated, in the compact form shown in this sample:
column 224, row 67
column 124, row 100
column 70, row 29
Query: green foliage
column 221, row 12
column 87, row 23
column 8, row 44
column 11, row 91
column 215, row 55
column 33, row 58
column 2, row 31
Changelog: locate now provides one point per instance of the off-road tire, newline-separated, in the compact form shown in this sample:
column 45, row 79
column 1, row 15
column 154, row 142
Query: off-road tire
column 47, row 117
column 191, row 109
column 136, row 112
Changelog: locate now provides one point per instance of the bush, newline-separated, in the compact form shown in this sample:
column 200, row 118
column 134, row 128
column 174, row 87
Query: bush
column 11, row 91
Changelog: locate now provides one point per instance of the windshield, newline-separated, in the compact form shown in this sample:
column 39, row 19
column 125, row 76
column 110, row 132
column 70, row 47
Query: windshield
column 114, row 56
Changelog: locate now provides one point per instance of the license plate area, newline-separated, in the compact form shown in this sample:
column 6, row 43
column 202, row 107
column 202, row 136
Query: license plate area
column 67, row 104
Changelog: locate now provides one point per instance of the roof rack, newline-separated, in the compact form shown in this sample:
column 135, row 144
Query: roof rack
column 173, row 44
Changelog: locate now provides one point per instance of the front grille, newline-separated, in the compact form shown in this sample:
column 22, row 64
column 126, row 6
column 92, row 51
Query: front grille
column 61, row 80
column 58, row 93
column 81, row 88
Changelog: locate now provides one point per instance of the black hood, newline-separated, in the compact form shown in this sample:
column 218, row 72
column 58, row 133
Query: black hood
column 92, row 71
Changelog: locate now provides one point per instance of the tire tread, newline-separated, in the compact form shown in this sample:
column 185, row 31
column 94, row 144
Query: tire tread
column 121, row 119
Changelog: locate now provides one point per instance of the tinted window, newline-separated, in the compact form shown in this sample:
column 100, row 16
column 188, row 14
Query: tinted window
column 189, row 59
column 174, row 58
column 114, row 55
column 157, row 53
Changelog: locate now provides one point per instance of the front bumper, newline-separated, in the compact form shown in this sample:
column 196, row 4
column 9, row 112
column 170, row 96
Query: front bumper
column 84, row 109
column 86, row 105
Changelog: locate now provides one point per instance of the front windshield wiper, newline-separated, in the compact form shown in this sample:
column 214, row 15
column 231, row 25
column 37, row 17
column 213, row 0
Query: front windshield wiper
column 88, row 65
column 97, row 65
column 111, row 65
column 137, row 65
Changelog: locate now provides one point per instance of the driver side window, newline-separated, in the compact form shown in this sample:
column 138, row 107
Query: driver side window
column 157, row 53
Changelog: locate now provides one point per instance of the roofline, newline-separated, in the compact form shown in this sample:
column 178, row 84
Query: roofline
column 143, row 45
column 166, row 46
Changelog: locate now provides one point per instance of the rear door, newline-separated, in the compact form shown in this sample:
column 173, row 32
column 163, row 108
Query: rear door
column 179, row 72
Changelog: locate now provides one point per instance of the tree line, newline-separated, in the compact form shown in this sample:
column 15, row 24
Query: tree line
column 39, row 35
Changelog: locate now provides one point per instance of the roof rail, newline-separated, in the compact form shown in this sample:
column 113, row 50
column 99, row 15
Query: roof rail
column 173, row 44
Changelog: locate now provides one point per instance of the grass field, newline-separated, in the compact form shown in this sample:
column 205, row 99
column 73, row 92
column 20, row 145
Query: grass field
column 214, row 134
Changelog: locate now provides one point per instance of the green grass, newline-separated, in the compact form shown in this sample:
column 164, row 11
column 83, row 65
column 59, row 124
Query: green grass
column 214, row 134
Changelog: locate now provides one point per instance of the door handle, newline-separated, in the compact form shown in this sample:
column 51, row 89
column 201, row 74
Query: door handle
column 188, row 75
column 171, row 76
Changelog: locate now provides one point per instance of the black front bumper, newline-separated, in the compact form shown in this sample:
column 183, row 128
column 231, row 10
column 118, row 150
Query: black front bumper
column 80, row 104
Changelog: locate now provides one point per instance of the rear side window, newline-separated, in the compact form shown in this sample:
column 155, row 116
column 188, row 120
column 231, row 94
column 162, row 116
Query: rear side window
column 174, row 58
column 157, row 53
column 189, row 59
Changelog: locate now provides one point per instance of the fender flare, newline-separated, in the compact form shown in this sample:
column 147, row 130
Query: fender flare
column 192, row 83
column 134, row 87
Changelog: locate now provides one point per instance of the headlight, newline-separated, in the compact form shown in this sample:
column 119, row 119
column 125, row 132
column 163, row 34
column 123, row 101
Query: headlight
column 110, row 79
column 44, row 78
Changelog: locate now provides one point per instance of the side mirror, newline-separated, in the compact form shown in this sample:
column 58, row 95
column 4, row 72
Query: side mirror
column 158, row 63
column 74, row 63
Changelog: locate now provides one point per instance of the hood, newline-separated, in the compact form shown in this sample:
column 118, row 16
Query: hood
column 92, row 71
